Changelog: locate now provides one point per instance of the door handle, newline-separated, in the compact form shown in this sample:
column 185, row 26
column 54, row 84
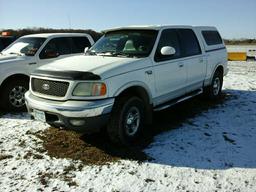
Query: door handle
column 149, row 72
column 33, row 63
column 181, row 65
column 201, row 60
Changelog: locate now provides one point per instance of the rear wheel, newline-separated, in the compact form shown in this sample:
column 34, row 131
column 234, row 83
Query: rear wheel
column 214, row 90
column 127, row 120
column 13, row 95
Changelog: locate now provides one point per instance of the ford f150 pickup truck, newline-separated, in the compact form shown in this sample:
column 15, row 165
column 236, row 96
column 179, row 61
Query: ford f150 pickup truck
column 125, row 76
column 27, row 53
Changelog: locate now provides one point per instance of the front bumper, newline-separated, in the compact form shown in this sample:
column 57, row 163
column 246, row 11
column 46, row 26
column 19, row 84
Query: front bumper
column 94, row 114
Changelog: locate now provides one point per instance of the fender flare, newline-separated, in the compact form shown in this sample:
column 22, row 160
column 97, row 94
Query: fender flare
column 134, row 84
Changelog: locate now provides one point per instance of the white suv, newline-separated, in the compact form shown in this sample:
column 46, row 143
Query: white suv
column 27, row 53
column 129, row 73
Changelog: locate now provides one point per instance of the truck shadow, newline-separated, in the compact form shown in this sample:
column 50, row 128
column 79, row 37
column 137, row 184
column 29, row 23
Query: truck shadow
column 197, row 133
column 163, row 121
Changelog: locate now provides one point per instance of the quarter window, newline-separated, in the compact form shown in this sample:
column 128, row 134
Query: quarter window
column 189, row 43
column 168, row 37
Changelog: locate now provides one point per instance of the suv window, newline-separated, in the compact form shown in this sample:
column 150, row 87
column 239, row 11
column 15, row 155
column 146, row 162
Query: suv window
column 60, row 45
column 189, row 43
column 79, row 43
column 169, row 37
column 7, row 41
column 1, row 45
column 212, row 37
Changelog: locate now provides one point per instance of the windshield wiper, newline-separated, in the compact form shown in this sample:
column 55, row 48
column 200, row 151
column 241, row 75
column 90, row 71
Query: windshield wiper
column 104, row 53
column 122, row 54
column 88, row 52
column 98, row 53
column 110, row 54
column 114, row 54
column 13, row 53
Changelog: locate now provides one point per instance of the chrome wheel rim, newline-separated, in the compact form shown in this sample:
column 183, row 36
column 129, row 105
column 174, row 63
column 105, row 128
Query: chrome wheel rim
column 216, row 86
column 16, row 96
column 132, row 122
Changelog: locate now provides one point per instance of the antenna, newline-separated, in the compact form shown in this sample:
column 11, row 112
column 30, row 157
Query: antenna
column 69, row 21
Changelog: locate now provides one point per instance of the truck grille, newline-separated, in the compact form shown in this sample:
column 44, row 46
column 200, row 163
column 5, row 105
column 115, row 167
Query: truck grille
column 49, row 87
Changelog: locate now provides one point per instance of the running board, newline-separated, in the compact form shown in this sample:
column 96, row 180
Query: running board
column 175, row 101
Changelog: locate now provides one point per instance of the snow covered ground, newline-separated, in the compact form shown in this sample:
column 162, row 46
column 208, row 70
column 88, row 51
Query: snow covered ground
column 213, row 151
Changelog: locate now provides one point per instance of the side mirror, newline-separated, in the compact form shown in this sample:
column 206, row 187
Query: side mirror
column 31, row 52
column 85, row 50
column 168, row 51
column 50, row 54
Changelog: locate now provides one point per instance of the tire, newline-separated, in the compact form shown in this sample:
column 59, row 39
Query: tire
column 127, row 121
column 13, row 95
column 214, row 90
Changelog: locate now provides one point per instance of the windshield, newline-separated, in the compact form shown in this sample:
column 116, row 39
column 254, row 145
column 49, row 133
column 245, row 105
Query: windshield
column 127, row 43
column 27, row 45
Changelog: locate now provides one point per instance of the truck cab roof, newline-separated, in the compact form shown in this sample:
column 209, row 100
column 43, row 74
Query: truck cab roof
column 158, row 27
column 47, row 35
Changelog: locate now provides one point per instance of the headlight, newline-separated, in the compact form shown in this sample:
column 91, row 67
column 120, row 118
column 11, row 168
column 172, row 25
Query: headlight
column 88, row 89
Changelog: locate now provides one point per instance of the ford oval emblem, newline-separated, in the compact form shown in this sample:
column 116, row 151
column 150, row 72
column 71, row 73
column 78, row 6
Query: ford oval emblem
column 46, row 87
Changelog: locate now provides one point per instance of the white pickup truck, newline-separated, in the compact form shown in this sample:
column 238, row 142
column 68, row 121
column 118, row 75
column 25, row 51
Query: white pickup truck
column 129, row 73
column 27, row 53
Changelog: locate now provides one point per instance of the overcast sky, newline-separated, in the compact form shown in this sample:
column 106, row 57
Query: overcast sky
column 233, row 18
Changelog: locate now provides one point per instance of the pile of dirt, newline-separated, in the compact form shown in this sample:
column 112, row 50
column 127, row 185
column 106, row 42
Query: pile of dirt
column 68, row 144
column 97, row 149
column 90, row 149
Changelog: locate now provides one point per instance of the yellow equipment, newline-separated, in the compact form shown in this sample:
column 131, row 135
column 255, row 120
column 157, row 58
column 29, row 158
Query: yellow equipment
column 237, row 56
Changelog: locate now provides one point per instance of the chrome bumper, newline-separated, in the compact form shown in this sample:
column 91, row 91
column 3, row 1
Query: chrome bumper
column 70, row 108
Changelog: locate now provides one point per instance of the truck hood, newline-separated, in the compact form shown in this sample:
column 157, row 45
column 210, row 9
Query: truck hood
column 12, row 58
column 104, row 66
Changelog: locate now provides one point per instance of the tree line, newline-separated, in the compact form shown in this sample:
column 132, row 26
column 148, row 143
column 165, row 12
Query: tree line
column 96, row 35
column 21, row 32
column 240, row 41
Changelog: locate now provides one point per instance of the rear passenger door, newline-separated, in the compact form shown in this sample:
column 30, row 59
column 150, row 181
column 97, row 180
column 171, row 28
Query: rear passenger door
column 170, row 72
column 193, row 59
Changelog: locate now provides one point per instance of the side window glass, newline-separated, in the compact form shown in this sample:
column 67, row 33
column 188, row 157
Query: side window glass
column 6, row 41
column 168, row 37
column 79, row 43
column 189, row 43
column 212, row 37
column 1, row 45
column 56, row 47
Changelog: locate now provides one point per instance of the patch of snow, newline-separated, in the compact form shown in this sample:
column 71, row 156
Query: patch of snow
column 216, row 152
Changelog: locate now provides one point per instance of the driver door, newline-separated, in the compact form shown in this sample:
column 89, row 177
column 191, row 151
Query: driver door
column 170, row 71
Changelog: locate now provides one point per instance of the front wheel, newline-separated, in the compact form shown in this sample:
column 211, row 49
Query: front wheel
column 127, row 120
column 214, row 90
column 13, row 98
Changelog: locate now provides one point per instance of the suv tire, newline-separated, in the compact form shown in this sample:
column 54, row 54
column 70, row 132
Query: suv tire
column 214, row 90
column 127, row 120
column 13, row 98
